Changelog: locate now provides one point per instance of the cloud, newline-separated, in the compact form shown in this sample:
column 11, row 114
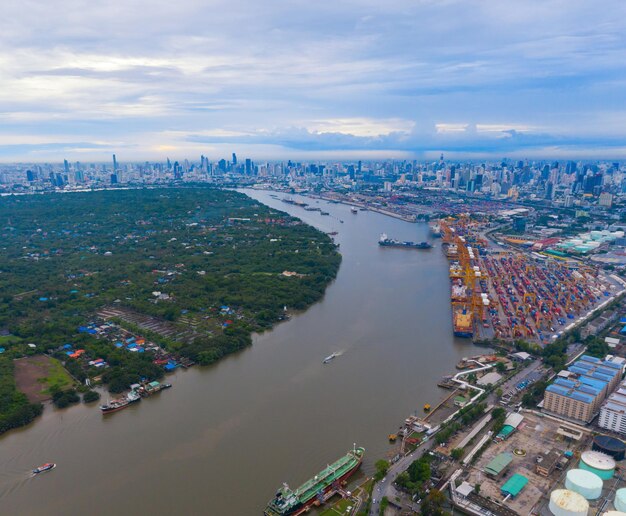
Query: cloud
column 402, row 75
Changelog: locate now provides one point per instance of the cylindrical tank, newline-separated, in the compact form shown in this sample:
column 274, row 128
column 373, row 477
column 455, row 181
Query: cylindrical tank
column 609, row 445
column 614, row 513
column 599, row 463
column 584, row 483
column 620, row 499
column 567, row 503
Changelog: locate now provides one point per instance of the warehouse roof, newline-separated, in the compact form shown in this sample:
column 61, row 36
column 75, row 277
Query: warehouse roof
column 514, row 485
column 499, row 463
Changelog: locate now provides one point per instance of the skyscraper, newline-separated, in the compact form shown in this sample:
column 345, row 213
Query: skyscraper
column 114, row 164
column 234, row 159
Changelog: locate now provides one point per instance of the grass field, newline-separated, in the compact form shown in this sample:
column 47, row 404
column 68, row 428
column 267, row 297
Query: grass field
column 37, row 376
column 56, row 377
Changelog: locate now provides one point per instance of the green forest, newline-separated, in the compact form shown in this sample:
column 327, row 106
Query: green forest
column 199, row 257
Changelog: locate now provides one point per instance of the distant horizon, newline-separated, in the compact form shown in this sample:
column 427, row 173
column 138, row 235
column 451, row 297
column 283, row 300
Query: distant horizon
column 365, row 159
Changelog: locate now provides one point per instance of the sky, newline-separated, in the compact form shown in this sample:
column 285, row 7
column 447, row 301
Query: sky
column 341, row 79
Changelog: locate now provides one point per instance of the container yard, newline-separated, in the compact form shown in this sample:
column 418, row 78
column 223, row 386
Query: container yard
column 516, row 294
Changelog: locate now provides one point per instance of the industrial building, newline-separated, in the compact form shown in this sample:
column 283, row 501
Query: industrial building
column 498, row 464
column 514, row 485
column 547, row 463
column 578, row 392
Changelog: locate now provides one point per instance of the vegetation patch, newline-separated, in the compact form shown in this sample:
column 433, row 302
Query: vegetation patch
column 15, row 408
column 39, row 376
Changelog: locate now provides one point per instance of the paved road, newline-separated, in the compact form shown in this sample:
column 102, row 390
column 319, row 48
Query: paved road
column 385, row 486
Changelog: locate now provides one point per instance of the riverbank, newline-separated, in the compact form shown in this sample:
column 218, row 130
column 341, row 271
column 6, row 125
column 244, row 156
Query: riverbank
column 387, row 311
column 204, row 279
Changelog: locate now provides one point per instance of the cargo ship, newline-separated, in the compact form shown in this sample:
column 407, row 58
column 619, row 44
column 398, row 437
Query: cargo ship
column 120, row 403
column 462, row 321
column 294, row 502
column 391, row 242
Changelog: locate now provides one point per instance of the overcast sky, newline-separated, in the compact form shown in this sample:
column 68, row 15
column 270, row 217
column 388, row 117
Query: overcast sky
column 322, row 79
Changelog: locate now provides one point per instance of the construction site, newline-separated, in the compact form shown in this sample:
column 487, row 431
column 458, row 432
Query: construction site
column 508, row 293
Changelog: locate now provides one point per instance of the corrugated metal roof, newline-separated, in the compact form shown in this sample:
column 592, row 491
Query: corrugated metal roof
column 498, row 463
column 514, row 485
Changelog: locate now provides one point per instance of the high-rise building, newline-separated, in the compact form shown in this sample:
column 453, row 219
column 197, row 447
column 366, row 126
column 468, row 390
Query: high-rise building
column 248, row 166
column 606, row 199
column 114, row 164
column 234, row 159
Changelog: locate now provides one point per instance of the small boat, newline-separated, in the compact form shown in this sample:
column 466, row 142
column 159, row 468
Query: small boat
column 354, row 210
column 426, row 407
column 165, row 386
column 330, row 357
column 44, row 467
column 392, row 437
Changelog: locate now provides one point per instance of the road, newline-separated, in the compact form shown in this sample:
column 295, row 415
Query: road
column 386, row 488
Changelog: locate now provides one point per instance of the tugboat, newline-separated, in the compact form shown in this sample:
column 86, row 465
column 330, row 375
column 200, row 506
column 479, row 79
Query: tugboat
column 44, row 467
column 354, row 210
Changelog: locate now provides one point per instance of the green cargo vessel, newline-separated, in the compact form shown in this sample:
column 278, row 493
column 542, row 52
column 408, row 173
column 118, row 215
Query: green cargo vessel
column 294, row 502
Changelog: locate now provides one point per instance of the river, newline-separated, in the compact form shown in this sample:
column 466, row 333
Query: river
column 226, row 436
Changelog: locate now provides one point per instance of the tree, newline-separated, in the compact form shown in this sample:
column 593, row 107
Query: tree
column 433, row 503
column 384, row 503
column 381, row 469
column 91, row 396
column 457, row 453
column 499, row 392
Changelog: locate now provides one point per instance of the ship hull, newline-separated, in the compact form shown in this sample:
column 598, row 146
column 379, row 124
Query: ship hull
column 116, row 409
column 464, row 334
column 304, row 506
column 405, row 246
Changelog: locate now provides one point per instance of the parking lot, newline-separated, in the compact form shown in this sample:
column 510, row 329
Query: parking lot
column 529, row 379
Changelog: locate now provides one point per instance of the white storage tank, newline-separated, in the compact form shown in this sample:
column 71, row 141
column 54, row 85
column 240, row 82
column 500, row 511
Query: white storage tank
column 584, row 482
column 614, row 513
column 620, row 499
column 599, row 463
column 567, row 503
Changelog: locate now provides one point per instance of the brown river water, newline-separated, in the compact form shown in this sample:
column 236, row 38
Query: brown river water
column 226, row 436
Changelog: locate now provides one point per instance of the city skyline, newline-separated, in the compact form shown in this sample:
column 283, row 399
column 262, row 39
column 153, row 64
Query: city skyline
column 351, row 80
